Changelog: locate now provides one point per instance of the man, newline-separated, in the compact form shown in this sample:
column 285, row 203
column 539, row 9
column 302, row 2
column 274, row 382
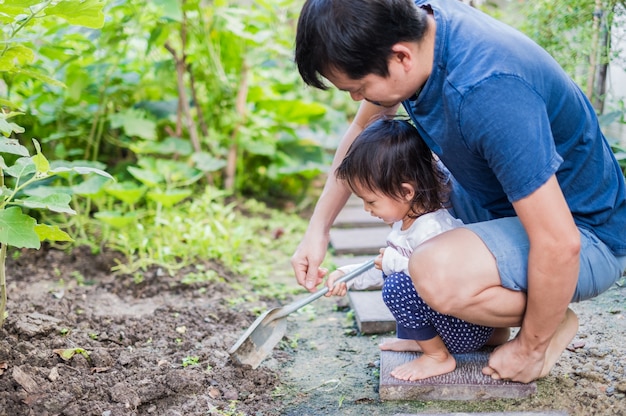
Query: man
column 533, row 177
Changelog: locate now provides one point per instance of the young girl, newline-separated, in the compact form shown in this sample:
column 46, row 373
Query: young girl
column 393, row 171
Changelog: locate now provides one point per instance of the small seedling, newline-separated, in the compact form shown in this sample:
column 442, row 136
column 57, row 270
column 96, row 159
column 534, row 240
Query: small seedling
column 79, row 277
column 341, row 399
column 188, row 360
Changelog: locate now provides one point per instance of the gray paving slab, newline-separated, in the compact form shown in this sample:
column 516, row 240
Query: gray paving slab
column 358, row 241
column 465, row 383
column 354, row 201
column 344, row 260
column 370, row 312
column 354, row 216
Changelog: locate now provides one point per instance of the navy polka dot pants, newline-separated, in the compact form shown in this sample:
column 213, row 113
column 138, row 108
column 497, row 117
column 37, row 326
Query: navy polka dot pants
column 417, row 321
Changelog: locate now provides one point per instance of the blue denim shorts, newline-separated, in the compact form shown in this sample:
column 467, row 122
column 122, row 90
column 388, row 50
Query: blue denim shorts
column 507, row 240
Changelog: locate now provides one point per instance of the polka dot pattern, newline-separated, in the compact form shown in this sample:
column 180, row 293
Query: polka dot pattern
column 414, row 316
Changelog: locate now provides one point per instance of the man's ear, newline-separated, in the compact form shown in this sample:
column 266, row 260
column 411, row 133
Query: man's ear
column 403, row 55
column 408, row 192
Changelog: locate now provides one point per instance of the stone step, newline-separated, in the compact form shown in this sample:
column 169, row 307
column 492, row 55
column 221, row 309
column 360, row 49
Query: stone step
column 370, row 312
column 356, row 217
column 467, row 382
column 344, row 260
column 358, row 241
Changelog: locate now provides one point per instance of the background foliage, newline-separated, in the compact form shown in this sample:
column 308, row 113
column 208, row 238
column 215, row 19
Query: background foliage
column 195, row 106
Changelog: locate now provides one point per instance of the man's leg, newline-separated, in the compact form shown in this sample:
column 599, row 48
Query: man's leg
column 456, row 274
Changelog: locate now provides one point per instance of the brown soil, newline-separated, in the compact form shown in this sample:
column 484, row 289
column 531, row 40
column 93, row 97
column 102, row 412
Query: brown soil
column 81, row 341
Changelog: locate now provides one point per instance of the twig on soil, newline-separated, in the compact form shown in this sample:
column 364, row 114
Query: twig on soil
column 335, row 381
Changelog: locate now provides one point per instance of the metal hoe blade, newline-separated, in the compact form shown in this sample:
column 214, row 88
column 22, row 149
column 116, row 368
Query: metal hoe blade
column 268, row 329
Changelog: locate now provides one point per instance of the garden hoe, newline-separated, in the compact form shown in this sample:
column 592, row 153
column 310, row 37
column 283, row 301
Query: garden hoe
column 268, row 329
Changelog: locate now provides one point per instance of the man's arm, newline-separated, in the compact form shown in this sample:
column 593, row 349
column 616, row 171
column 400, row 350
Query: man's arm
column 553, row 267
column 312, row 249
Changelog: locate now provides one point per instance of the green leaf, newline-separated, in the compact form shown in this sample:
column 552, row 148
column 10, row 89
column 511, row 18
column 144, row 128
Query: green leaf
column 23, row 166
column 171, row 9
column 146, row 177
column 9, row 9
column 91, row 186
column 83, row 170
column 18, row 229
column 43, row 191
column 169, row 146
column 135, row 124
column 169, row 198
column 51, row 233
column 116, row 219
column 12, row 146
column 207, row 163
column 86, row 13
column 6, row 103
column 41, row 163
column 41, row 77
column 292, row 111
column 16, row 56
column 7, row 127
column 58, row 202
column 127, row 192
column 67, row 353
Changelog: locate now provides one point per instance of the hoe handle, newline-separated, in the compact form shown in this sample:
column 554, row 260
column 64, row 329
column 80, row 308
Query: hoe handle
column 294, row 306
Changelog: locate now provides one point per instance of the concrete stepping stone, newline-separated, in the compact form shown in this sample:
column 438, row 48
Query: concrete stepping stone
column 465, row 383
column 344, row 260
column 358, row 241
column 370, row 312
column 356, row 217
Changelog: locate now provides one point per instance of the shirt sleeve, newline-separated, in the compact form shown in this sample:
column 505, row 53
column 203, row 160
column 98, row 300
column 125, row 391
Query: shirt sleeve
column 506, row 122
column 370, row 279
column 394, row 262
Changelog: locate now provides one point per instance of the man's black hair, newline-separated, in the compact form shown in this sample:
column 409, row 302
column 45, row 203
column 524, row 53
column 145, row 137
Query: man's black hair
column 353, row 36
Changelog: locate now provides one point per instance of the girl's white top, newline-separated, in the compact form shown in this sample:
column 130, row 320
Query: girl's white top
column 400, row 245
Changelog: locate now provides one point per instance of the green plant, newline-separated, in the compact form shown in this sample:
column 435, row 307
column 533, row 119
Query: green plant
column 230, row 411
column 189, row 360
column 577, row 33
column 18, row 228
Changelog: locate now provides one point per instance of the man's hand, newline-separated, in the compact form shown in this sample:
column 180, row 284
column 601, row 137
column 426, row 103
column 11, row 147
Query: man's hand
column 512, row 362
column 517, row 361
column 307, row 259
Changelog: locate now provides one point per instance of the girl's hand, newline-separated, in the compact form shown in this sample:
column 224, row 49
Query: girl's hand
column 340, row 289
column 378, row 261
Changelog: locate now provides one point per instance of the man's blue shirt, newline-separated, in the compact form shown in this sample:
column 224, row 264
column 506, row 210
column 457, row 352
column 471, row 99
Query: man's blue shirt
column 504, row 117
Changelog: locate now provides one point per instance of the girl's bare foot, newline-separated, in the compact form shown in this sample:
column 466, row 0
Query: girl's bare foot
column 400, row 345
column 425, row 366
column 561, row 339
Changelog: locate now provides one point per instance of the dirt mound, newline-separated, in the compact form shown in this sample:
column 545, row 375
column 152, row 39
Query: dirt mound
column 79, row 341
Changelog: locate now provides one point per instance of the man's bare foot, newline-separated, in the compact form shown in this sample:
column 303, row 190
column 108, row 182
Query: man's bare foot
column 425, row 366
column 401, row 345
column 499, row 336
column 561, row 339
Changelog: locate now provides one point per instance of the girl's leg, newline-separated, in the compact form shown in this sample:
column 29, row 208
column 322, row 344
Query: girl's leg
column 418, row 329
column 435, row 360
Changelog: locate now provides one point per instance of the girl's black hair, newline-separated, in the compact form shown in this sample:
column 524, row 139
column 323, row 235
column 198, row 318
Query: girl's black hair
column 353, row 36
column 388, row 153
